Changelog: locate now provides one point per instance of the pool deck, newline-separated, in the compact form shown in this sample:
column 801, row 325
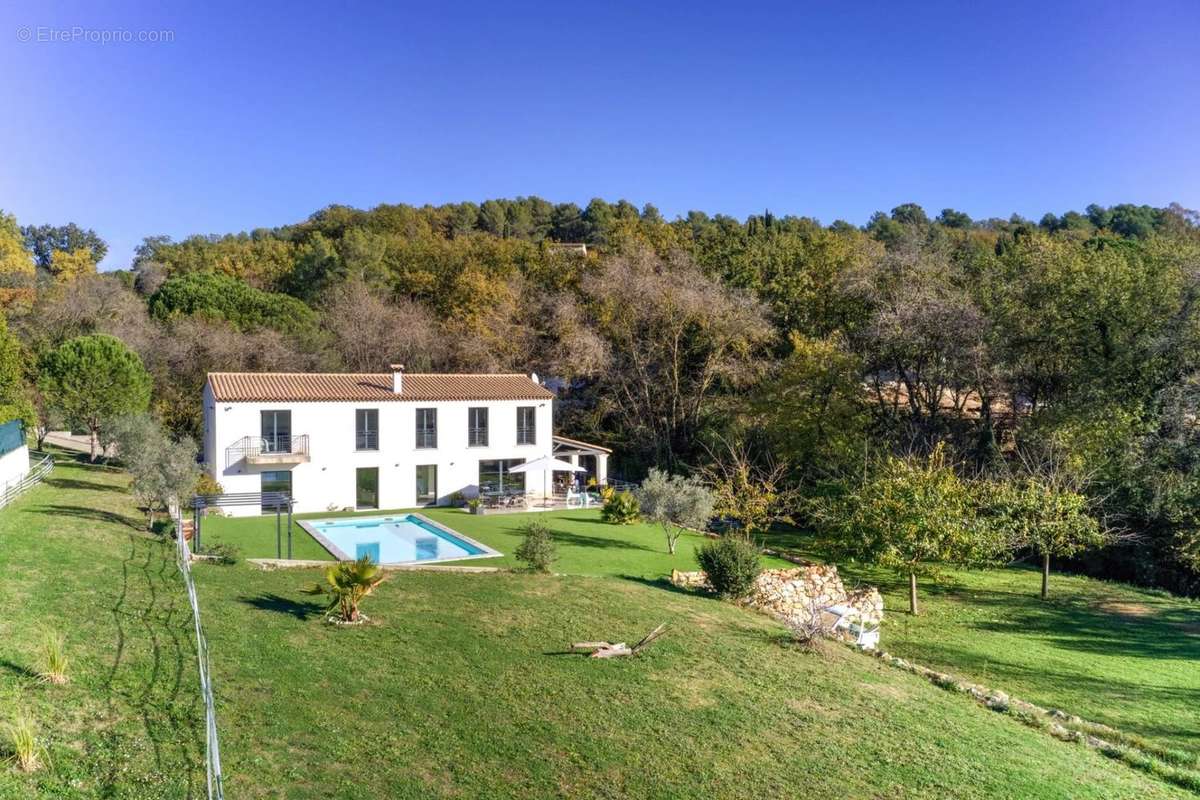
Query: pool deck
column 267, row 564
column 340, row 555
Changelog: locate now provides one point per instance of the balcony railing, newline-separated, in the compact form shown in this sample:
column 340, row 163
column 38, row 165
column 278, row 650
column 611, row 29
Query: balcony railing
column 477, row 437
column 268, row 450
column 426, row 439
column 366, row 440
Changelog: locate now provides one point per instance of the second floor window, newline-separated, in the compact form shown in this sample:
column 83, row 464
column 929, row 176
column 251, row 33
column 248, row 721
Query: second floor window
column 426, row 428
column 526, row 425
column 477, row 427
column 366, row 429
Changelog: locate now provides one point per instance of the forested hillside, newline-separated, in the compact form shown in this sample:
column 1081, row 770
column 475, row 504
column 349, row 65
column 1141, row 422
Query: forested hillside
column 813, row 348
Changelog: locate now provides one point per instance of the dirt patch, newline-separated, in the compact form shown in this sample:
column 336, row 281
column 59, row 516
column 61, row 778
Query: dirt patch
column 1126, row 609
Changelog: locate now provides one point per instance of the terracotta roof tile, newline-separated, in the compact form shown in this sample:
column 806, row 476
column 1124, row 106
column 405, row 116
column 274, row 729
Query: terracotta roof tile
column 341, row 386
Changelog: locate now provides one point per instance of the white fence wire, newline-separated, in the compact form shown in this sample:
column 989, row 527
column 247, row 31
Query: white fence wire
column 212, row 748
column 37, row 473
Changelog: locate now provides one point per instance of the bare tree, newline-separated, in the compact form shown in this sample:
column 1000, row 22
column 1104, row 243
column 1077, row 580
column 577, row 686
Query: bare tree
column 675, row 336
column 368, row 332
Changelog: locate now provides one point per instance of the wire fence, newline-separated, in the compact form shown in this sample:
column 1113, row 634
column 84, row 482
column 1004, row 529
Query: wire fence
column 37, row 473
column 212, row 748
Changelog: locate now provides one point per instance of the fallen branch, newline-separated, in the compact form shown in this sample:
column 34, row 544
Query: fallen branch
column 611, row 650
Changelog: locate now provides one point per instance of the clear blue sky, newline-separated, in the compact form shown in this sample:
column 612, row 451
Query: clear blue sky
column 257, row 114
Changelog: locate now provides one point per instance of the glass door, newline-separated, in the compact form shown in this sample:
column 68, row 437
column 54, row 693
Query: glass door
column 427, row 484
column 277, row 431
column 367, row 487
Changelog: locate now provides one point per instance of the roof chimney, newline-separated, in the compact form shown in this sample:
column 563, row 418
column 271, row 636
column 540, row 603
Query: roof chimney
column 533, row 377
column 397, row 378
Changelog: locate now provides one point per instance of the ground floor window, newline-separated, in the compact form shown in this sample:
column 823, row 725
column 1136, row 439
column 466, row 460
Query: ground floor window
column 426, row 484
column 494, row 476
column 275, row 482
column 366, row 493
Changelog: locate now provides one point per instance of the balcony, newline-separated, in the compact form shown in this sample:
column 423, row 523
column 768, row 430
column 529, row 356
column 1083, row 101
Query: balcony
column 272, row 450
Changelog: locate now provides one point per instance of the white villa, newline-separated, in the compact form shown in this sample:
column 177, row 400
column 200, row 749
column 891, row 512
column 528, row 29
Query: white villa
column 389, row 440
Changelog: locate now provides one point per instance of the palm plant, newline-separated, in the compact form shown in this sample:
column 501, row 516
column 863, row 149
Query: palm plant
column 27, row 753
column 346, row 584
column 54, row 658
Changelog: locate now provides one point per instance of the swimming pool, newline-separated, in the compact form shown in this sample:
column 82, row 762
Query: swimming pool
column 397, row 539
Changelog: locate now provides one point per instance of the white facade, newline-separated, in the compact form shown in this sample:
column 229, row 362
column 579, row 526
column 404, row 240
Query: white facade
column 328, row 478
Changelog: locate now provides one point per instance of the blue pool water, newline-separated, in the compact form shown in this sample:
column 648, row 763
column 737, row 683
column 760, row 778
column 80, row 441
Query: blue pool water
column 399, row 539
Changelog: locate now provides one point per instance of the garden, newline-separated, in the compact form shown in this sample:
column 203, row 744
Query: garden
column 463, row 684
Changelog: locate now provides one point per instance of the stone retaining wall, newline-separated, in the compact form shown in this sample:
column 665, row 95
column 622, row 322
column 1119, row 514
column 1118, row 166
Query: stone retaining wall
column 792, row 593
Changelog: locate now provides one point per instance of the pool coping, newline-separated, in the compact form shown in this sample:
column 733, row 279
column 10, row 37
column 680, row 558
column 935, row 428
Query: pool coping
column 342, row 555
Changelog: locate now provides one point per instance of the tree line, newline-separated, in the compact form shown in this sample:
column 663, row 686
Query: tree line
column 1058, row 353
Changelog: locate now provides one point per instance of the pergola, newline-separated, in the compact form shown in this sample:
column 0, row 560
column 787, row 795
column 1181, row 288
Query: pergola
column 279, row 502
column 592, row 457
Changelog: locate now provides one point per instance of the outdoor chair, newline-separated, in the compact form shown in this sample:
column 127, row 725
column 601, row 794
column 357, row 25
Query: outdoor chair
column 847, row 619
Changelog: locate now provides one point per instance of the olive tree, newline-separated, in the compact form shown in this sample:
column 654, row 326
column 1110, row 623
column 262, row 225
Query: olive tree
column 675, row 503
column 164, row 471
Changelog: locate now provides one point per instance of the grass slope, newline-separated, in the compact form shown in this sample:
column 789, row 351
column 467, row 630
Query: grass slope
column 1109, row 652
column 129, row 724
column 460, row 690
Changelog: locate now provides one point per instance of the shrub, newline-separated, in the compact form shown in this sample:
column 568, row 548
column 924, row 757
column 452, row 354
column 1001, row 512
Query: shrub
column 458, row 499
column 620, row 508
column 223, row 553
column 206, row 484
column 538, row 550
column 164, row 527
column 731, row 564
column 54, row 658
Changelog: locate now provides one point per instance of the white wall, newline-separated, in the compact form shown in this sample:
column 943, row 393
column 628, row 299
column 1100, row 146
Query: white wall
column 328, row 479
column 14, row 466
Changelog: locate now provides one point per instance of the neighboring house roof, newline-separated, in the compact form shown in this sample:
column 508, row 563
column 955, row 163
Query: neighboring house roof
column 563, row 440
column 282, row 387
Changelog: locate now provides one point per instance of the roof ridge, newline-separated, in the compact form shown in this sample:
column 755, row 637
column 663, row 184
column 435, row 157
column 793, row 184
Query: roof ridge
column 378, row 374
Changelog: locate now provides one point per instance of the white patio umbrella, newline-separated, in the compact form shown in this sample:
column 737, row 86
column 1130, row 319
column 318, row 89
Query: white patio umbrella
column 546, row 465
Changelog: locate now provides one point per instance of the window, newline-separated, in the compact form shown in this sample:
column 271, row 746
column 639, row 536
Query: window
column 275, row 482
column 494, row 476
column 477, row 427
column 366, row 487
column 366, row 429
column 426, row 428
column 426, row 484
column 276, row 431
column 526, row 425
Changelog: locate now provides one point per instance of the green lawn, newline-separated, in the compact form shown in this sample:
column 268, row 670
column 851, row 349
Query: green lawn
column 460, row 687
column 586, row 546
column 1109, row 652
column 129, row 724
